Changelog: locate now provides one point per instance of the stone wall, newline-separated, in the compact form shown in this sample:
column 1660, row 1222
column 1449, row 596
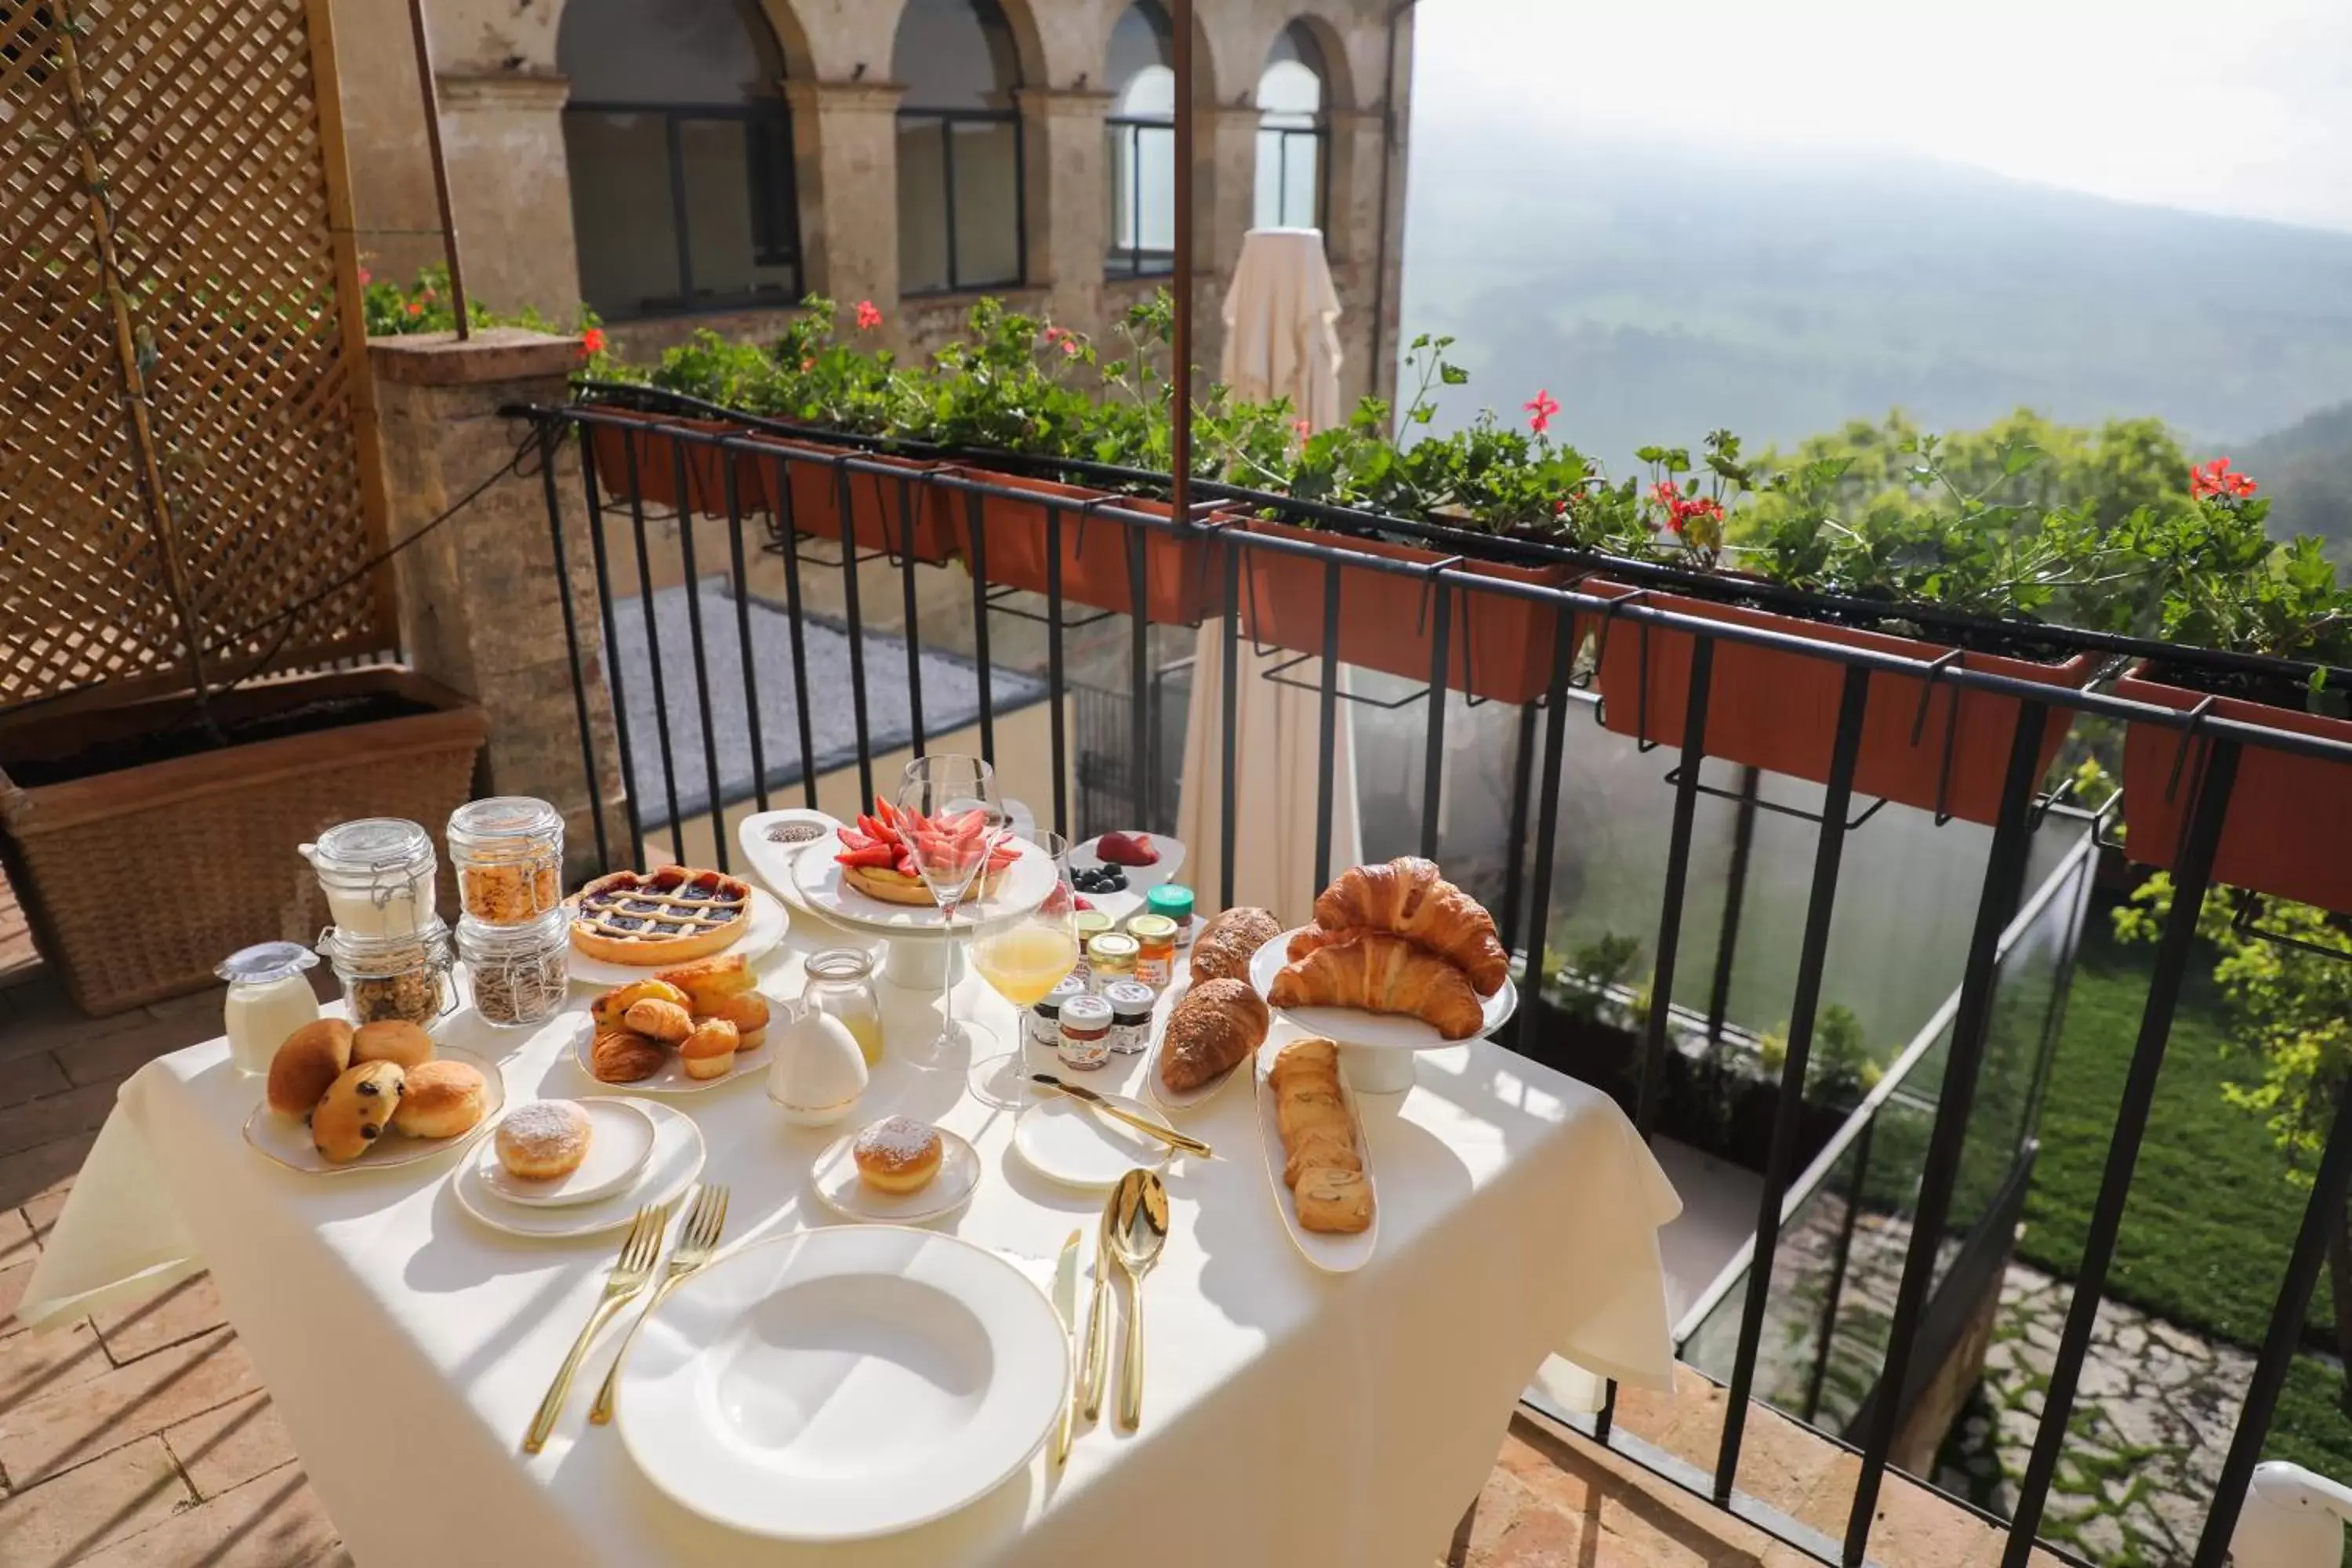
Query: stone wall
column 503, row 95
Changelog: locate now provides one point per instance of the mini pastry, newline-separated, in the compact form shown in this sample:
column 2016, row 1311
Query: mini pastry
column 663, row 1021
column 706, row 983
column 392, row 1041
column 899, row 1154
column 1225, row 945
column 358, row 1107
column 543, row 1140
column 709, row 1051
column 309, row 1060
column 617, row 1055
column 1338, row 1202
column 748, row 1011
column 609, row 1009
column 439, row 1099
column 1218, row 1025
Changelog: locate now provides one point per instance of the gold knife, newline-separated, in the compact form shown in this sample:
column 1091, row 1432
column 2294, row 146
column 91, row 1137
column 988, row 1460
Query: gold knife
column 1167, row 1135
column 1066, row 1302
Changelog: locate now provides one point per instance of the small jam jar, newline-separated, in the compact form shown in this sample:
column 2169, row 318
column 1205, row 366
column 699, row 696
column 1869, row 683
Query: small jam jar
column 1086, row 1033
column 508, row 852
column 1110, row 956
column 1155, row 950
column 1131, row 1016
column 1046, row 1018
column 841, row 981
column 377, row 874
column 1173, row 901
column 1091, row 923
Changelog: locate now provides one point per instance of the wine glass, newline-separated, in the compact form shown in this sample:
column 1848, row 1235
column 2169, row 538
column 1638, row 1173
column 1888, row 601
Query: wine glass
column 953, row 826
column 1022, row 956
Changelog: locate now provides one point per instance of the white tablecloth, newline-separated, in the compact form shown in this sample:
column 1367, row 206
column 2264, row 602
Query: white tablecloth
column 1290, row 1417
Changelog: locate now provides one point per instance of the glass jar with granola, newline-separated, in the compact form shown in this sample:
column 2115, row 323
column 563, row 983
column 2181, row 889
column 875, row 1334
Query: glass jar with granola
column 406, row 978
column 508, row 852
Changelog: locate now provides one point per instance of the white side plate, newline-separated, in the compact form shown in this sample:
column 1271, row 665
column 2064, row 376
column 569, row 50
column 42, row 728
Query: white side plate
column 676, row 1161
column 767, row 926
column 1331, row 1253
column 834, row 1177
column 287, row 1139
column 620, row 1141
column 843, row 1382
column 1141, row 879
column 1353, row 1025
column 1067, row 1141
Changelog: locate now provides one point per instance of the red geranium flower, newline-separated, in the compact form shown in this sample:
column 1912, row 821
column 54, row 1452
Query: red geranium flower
column 416, row 306
column 868, row 318
column 367, row 278
column 2215, row 479
column 1540, row 409
column 591, row 342
column 808, row 362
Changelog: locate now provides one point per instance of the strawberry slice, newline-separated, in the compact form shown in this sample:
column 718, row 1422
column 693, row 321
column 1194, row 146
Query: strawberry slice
column 874, row 855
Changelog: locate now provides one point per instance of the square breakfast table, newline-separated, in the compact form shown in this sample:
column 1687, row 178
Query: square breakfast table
column 1290, row 1417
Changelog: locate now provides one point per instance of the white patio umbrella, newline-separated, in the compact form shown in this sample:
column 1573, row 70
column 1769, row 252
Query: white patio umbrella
column 1281, row 341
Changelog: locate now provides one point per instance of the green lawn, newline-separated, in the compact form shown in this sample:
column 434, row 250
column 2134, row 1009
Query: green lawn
column 2206, row 1235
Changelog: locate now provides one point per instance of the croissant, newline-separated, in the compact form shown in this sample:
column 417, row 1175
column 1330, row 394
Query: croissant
column 1383, row 975
column 1218, row 1025
column 1225, row 945
column 1408, row 898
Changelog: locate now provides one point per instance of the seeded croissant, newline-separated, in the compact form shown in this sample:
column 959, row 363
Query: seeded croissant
column 1381, row 974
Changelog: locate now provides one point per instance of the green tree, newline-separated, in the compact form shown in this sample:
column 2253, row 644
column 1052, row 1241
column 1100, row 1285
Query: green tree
column 2291, row 1012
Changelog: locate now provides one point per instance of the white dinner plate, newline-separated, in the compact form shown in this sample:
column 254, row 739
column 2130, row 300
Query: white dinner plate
column 816, row 878
column 843, row 1382
column 1333, row 1254
column 620, row 1141
column 1141, row 879
column 1067, row 1141
column 676, row 1161
column 287, row 1139
column 835, row 1176
column 768, row 923
column 771, row 839
column 671, row 1077
column 1171, row 1099
column 1353, row 1025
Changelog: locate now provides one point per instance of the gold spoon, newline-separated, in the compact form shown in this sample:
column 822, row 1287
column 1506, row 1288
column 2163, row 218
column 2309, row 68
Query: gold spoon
column 1138, row 1212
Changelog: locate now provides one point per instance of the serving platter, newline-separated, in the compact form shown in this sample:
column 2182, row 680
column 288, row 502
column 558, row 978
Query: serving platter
column 287, row 1139
column 1370, row 1031
column 1334, row 1254
column 671, row 1077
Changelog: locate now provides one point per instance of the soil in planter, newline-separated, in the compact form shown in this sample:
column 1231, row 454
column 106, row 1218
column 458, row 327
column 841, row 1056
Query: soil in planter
column 189, row 738
column 2271, row 689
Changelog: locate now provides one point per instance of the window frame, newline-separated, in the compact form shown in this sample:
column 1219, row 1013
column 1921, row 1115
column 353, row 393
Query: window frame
column 948, row 119
column 1129, row 128
column 1319, row 132
column 784, row 219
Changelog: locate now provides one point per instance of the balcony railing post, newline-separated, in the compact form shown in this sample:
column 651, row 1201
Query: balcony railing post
column 1514, row 868
column 1229, row 699
column 653, row 638
column 1811, row 956
column 907, row 597
column 1433, row 754
column 1140, row 714
column 2192, row 872
column 856, row 627
column 1670, row 909
column 1840, row 1254
column 1327, row 712
column 972, row 504
column 550, row 437
column 613, row 661
column 743, row 639
column 713, row 799
column 1538, row 912
column 1055, row 686
column 789, row 539
column 2004, row 881
column 1735, row 896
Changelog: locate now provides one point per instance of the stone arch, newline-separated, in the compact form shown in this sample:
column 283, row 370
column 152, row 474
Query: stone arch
column 1330, row 58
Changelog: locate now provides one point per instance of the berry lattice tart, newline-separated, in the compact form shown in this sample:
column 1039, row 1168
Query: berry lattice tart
column 667, row 915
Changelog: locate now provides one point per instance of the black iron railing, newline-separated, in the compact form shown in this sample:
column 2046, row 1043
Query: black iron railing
column 627, row 535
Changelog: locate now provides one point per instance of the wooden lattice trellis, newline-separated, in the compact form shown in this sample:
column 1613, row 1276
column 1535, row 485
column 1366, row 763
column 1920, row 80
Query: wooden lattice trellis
column 187, row 435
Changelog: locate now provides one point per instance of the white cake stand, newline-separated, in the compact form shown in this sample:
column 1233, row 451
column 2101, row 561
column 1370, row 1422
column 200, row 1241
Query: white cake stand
column 1375, row 1048
column 918, row 952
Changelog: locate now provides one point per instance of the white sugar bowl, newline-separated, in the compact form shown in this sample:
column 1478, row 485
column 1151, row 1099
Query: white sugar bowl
column 816, row 1071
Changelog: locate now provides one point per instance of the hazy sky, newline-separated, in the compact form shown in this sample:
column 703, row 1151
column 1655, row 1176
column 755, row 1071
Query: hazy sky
column 2230, row 106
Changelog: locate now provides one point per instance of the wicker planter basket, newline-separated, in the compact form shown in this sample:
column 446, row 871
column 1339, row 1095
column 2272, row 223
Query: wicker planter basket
column 136, row 882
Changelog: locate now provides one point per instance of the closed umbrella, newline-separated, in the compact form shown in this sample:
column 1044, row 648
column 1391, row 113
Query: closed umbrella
column 1281, row 341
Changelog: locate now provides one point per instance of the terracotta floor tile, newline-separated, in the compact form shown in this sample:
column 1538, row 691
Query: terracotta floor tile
column 55, row 1116
column 182, row 1312
column 26, row 1176
column 31, row 1077
column 34, row 1364
column 64, row 1426
column 17, row 1243
column 67, row 1517
column 45, row 1203
column 221, row 1450
column 272, row 1522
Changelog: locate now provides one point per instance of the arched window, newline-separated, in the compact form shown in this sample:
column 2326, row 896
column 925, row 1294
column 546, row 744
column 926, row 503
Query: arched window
column 1291, row 135
column 959, row 180
column 1142, row 144
column 682, row 156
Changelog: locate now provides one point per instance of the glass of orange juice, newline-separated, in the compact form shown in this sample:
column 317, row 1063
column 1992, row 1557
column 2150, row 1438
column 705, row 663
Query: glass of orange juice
column 1023, row 956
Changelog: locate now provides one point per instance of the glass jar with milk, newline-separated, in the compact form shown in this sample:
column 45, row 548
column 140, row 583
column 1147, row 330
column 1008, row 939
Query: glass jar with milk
column 377, row 874
column 270, row 997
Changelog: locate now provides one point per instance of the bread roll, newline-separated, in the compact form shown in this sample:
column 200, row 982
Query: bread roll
column 392, row 1041
column 439, row 1099
column 311, row 1058
column 1218, row 1025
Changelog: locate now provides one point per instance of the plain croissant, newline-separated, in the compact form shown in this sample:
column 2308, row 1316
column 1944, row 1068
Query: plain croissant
column 1408, row 898
column 1381, row 974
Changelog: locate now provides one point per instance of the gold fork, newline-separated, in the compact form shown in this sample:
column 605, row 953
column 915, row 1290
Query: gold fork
column 631, row 1273
column 696, row 1239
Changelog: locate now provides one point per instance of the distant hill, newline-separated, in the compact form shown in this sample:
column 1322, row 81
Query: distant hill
column 2306, row 470
column 1658, row 294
